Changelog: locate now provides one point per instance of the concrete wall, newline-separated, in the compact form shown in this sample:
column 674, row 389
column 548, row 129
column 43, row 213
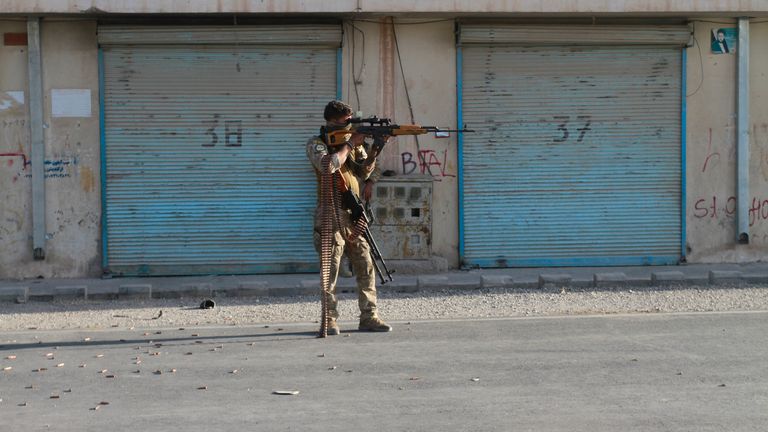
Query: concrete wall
column 15, row 188
column 759, row 148
column 428, row 55
column 427, row 52
column 711, row 150
column 589, row 7
column 72, row 186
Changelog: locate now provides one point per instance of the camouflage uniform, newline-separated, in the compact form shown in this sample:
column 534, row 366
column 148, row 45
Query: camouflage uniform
column 357, row 250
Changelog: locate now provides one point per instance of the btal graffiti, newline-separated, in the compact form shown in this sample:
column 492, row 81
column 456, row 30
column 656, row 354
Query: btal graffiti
column 427, row 163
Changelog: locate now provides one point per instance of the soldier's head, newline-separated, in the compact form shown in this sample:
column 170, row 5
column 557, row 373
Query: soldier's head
column 337, row 112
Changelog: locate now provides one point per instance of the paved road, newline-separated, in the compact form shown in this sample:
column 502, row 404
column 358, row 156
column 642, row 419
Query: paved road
column 651, row 372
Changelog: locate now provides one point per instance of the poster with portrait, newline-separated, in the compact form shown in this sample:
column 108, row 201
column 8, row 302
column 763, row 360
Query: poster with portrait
column 724, row 40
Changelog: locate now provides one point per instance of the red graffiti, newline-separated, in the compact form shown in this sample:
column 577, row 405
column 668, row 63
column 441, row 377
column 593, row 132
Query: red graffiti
column 701, row 209
column 427, row 160
column 758, row 211
column 711, row 154
column 15, row 155
column 708, row 208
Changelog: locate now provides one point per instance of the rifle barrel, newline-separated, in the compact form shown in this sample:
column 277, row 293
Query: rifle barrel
column 377, row 258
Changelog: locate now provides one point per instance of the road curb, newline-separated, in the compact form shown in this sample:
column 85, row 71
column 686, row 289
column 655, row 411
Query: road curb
column 292, row 285
column 14, row 294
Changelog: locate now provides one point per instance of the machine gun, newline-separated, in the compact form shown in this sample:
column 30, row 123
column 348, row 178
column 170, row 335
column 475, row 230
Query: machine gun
column 351, row 202
column 380, row 129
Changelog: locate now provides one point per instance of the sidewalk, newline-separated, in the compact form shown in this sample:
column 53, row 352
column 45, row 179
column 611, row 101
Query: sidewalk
column 286, row 285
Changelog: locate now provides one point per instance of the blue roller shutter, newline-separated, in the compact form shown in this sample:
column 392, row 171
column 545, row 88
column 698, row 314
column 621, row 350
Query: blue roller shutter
column 204, row 135
column 577, row 159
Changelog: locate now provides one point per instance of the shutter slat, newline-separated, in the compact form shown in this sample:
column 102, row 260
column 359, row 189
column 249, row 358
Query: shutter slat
column 327, row 35
column 515, row 34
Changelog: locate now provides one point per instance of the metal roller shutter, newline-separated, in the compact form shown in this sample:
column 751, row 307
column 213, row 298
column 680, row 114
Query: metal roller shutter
column 577, row 159
column 538, row 35
column 204, row 150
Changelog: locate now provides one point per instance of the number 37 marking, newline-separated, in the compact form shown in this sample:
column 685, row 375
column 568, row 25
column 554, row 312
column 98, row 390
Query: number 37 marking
column 562, row 127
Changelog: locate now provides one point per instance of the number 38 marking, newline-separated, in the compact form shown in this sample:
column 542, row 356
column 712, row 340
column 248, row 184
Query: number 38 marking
column 233, row 133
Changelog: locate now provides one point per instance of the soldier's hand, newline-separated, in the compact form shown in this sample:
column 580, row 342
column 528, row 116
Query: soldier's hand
column 369, row 169
column 343, row 152
column 367, row 191
column 357, row 140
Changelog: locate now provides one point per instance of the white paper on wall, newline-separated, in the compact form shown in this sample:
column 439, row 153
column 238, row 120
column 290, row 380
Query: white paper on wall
column 10, row 98
column 71, row 102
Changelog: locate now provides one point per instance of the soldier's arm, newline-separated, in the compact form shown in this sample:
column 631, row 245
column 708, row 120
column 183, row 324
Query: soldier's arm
column 316, row 150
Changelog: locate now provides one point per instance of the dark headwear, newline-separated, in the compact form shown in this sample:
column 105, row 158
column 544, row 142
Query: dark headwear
column 336, row 109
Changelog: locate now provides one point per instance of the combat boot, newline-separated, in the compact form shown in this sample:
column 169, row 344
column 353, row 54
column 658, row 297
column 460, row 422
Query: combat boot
column 333, row 327
column 374, row 324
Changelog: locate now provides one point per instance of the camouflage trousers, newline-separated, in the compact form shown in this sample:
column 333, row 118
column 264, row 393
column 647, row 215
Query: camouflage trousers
column 359, row 254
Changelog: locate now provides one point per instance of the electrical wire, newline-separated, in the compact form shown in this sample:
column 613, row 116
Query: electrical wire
column 701, row 67
column 407, row 94
column 357, row 76
column 351, row 36
column 402, row 72
column 698, row 46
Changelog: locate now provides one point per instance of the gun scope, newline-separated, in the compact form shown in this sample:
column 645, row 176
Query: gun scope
column 373, row 121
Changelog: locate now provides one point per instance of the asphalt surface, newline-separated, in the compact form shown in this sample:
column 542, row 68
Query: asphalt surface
column 643, row 372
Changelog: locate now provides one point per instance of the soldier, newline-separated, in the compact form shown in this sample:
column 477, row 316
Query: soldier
column 343, row 160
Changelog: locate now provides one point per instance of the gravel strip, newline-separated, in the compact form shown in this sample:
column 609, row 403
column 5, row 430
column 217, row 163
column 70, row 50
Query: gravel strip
column 427, row 305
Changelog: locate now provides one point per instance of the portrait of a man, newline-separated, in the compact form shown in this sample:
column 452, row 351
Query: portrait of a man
column 723, row 41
